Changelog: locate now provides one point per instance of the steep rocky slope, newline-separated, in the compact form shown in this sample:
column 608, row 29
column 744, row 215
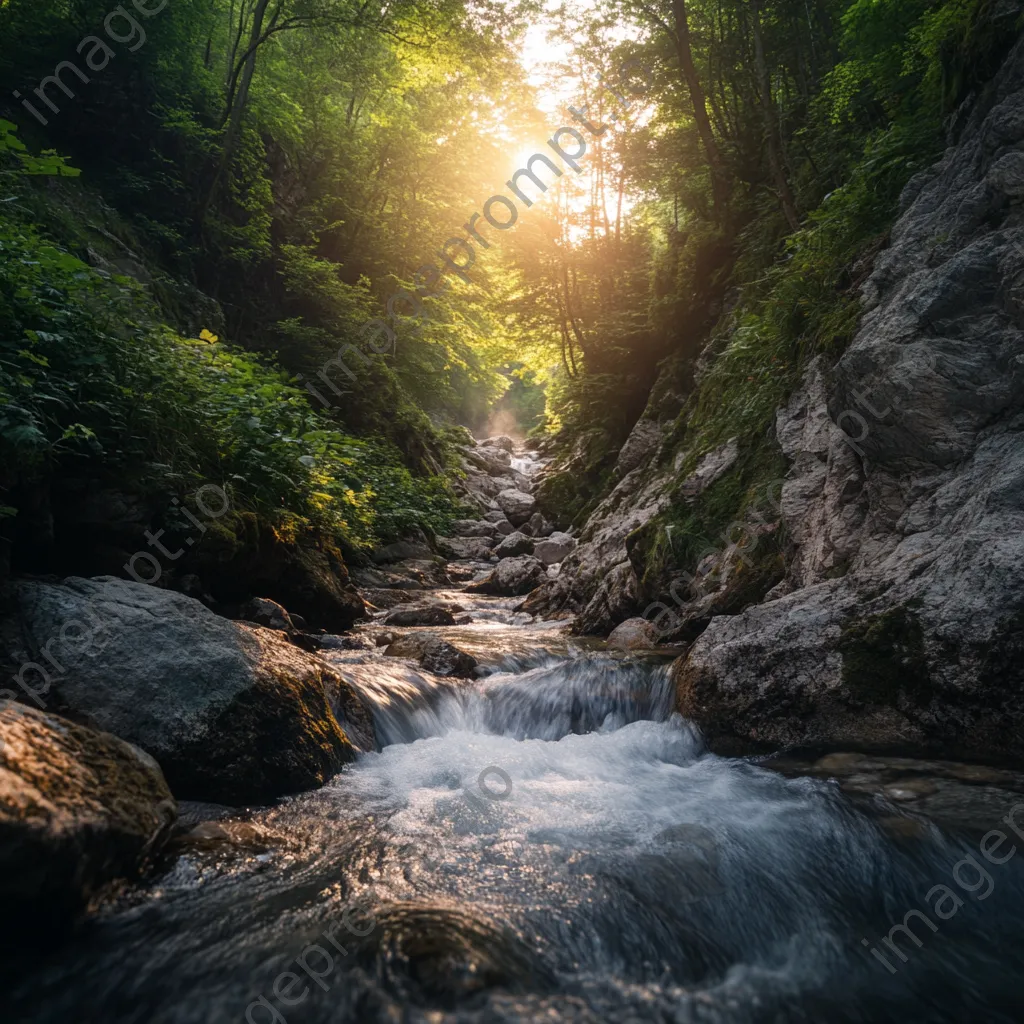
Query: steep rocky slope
column 900, row 618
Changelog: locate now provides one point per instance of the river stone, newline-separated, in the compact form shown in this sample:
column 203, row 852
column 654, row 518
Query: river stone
column 538, row 526
column 465, row 547
column 492, row 461
column 511, row 576
column 78, row 810
column 500, row 441
column 514, row 544
column 553, row 549
column 474, row 527
column 419, row 615
column 401, row 550
column 264, row 612
column 517, row 505
column 495, row 516
column 233, row 713
column 433, row 654
column 633, row 634
column 385, row 599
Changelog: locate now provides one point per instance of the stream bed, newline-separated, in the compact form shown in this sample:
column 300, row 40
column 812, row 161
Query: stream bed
column 548, row 843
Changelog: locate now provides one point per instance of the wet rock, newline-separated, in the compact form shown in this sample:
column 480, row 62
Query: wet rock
column 387, row 637
column 475, row 527
column 233, row 713
column 401, row 550
column 554, row 548
column 492, row 461
column 633, row 634
column 511, row 576
column 385, row 599
column 514, row 544
column 434, row 654
column 419, row 574
column 419, row 615
column 79, row 809
column 264, row 612
column 517, row 505
column 538, row 526
column 465, row 547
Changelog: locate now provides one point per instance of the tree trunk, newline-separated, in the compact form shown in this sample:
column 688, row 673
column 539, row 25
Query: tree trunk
column 719, row 181
column 776, row 154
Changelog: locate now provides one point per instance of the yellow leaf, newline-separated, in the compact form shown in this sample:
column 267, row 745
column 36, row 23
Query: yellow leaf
column 205, row 335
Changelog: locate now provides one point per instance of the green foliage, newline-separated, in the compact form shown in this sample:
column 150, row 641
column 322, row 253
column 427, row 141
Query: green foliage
column 87, row 372
column 48, row 163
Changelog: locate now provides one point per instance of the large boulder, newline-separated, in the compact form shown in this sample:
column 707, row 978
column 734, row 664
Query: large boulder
column 433, row 654
column 514, row 544
column 634, row 634
column 511, row 576
column 475, row 527
column 553, row 549
column 79, row 809
column 465, row 547
column 233, row 713
column 517, row 505
column 419, row 615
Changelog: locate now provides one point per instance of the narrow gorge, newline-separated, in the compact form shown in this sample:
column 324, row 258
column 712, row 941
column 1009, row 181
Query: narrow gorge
column 617, row 618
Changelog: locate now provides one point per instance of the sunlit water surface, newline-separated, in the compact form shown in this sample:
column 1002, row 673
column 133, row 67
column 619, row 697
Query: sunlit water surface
column 548, row 843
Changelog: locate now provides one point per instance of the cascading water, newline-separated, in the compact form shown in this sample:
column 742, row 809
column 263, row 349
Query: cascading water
column 607, row 869
column 547, row 843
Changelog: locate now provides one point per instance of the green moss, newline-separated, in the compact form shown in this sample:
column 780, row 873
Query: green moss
column 884, row 658
column 677, row 538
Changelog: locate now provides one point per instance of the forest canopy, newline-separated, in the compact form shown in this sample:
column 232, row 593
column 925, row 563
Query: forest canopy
column 203, row 203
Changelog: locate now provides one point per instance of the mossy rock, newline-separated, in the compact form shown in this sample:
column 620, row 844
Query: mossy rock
column 884, row 658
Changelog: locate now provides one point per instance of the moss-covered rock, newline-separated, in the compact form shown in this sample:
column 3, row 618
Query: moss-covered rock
column 233, row 713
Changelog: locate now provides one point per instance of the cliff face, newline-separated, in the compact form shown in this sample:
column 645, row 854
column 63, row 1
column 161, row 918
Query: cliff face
column 900, row 621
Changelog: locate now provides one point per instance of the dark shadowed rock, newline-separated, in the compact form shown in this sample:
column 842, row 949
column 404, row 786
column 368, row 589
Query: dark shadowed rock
column 79, row 809
column 434, row 654
column 401, row 550
column 233, row 713
column 511, row 576
column 901, row 620
column 386, row 599
column 514, row 544
column 264, row 612
column 419, row 615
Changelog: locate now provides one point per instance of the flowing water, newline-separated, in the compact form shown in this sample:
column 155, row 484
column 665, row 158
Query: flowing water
column 547, row 843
